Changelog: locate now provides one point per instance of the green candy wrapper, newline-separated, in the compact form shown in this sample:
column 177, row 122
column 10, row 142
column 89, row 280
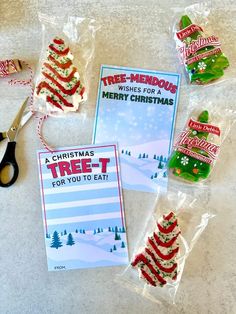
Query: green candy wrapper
column 204, row 61
column 194, row 155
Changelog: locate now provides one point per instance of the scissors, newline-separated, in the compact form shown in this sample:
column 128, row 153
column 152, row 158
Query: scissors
column 9, row 159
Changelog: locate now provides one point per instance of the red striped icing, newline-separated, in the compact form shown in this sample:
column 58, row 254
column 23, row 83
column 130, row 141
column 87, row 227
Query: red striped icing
column 151, row 260
column 65, row 91
column 165, row 244
column 59, row 52
column 169, row 216
column 60, row 65
column 163, row 268
column 64, row 79
column 143, row 259
column 169, row 229
column 166, row 257
column 58, row 41
column 53, row 91
column 54, row 103
column 148, row 278
column 82, row 91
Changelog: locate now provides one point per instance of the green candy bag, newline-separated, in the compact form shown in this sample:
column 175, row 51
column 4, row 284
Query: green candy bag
column 194, row 156
column 202, row 56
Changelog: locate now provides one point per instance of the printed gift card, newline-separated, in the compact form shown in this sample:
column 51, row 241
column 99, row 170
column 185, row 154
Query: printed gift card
column 137, row 109
column 82, row 207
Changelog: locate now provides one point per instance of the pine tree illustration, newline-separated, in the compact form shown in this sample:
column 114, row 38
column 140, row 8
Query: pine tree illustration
column 56, row 243
column 117, row 236
column 70, row 240
column 114, row 248
column 60, row 85
column 186, row 166
column 209, row 68
column 65, row 232
column 122, row 244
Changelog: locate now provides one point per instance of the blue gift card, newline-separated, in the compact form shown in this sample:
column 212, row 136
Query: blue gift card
column 137, row 109
column 82, row 207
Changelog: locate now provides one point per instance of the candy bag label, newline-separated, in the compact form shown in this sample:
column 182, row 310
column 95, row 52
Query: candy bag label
column 202, row 55
column 196, row 149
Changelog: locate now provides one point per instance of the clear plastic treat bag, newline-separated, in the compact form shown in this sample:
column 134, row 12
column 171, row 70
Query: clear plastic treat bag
column 170, row 234
column 210, row 117
column 201, row 52
column 64, row 69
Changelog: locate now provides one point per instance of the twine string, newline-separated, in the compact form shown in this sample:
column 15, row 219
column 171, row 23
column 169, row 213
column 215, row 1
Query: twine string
column 29, row 82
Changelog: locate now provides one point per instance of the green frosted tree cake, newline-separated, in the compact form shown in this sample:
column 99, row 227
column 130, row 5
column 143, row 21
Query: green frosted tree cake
column 186, row 166
column 194, row 47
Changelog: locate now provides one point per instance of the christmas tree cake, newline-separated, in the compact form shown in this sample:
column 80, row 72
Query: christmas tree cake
column 202, row 56
column 60, row 86
column 194, row 156
column 157, row 263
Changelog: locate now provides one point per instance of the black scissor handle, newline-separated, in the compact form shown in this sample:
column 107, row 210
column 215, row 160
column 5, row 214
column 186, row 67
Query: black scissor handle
column 9, row 159
column 1, row 136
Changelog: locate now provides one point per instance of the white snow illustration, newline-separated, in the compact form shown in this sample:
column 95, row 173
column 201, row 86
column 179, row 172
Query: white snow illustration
column 89, row 250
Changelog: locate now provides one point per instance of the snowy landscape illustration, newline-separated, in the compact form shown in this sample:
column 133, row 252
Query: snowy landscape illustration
column 149, row 169
column 85, row 249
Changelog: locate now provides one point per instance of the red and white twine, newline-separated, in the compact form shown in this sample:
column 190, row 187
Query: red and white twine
column 3, row 68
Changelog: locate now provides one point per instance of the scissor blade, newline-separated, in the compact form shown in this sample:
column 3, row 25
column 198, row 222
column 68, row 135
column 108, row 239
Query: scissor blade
column 26, row 116
column 14, row 128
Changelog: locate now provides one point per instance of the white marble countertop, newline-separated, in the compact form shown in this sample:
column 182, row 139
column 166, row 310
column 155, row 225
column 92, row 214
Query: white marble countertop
column 134, row 36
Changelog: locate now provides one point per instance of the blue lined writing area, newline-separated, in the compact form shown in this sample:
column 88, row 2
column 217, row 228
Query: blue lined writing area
column 80, row 195
column 83, row 210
